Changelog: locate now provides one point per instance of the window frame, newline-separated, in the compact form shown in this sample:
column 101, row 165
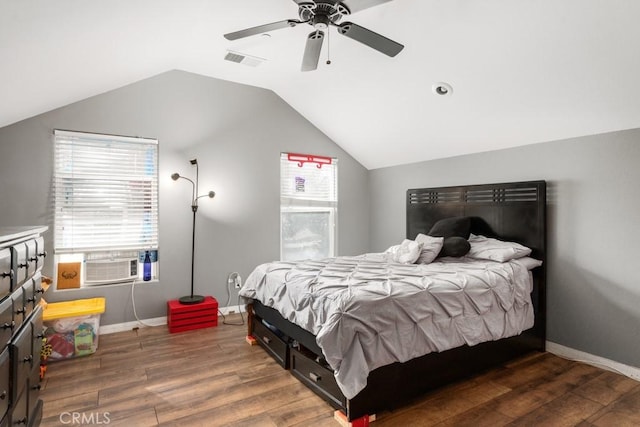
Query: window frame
column 105, row 196
column 289, row 203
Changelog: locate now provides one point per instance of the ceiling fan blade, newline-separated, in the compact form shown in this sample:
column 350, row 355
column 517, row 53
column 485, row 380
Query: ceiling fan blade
column 260, row 29
column 358, row 5
column 312, row 51
column 369, row 38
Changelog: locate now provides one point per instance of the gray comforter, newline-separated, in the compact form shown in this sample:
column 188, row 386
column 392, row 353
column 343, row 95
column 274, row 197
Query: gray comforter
column 367, row 312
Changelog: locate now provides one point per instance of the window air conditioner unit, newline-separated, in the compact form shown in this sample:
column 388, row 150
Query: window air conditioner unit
column 105, row 271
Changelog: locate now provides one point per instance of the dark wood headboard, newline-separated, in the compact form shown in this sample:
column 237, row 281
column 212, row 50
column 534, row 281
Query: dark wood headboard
column 513, row 211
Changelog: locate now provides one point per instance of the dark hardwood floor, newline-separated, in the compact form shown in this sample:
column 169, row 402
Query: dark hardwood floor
column 212, row 377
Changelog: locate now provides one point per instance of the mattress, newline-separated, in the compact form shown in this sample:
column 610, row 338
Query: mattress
column 367, row 311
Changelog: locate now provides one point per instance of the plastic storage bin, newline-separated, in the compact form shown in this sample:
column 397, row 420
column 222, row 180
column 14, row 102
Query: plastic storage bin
column 71, row 327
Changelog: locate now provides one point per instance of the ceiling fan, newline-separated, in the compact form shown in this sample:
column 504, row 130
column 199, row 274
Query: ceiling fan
column 321, row 14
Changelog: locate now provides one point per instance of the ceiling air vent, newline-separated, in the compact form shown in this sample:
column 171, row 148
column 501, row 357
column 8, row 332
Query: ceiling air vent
column 243, row 58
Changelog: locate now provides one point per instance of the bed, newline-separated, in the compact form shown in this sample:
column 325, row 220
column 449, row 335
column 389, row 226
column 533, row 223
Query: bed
column 513, row 212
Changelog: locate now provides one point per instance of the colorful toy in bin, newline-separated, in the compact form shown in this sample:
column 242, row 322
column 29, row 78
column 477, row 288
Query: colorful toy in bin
column 71, row 327
column 45, row 352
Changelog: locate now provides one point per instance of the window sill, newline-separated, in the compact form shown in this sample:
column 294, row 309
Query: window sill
column 110, row 285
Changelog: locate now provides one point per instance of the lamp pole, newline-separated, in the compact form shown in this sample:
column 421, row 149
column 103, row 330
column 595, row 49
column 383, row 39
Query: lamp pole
column 193, row 299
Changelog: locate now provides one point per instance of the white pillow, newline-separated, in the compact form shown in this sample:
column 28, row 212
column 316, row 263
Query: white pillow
column 406, row 253
column 528, row 262
column 431, row 247
column 495, row 250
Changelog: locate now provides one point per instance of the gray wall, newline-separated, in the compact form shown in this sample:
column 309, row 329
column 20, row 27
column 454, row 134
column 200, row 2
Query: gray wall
column 593, row 229
column 237, row 133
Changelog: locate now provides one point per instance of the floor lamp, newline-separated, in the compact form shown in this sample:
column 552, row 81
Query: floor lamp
column 193, row 299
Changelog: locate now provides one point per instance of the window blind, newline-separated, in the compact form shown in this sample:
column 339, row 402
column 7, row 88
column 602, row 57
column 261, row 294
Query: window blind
column 105, row 192
column 307, row 181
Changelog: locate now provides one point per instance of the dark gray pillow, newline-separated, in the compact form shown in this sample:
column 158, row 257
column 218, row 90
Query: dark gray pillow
column 458, row 226
column 455, row 246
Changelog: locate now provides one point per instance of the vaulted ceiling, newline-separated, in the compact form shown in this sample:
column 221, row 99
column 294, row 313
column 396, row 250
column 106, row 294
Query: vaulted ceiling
column 522, row 71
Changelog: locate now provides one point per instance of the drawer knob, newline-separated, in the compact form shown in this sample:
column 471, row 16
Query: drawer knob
column 314, row 377
column 31, row 299
column 21, row 421
column 28, row 359
column 21, row 310
column 3, row 395
column 33, row 259
column 266, row 340
column 25, row 265
column 43, row 254
column 9, row 325
column 36, row 387
column 7, row 274
column 39, row 291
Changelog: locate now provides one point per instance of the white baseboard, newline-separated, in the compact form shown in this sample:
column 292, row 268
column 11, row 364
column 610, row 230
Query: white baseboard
column 127, row 326
column 590, row 359
column 158, row 321
column 232, row 309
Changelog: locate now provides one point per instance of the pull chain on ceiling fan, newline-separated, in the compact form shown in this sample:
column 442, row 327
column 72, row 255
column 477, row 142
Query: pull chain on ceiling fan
column 321, row 14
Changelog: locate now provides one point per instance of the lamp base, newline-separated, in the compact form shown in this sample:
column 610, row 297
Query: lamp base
column 191, row 299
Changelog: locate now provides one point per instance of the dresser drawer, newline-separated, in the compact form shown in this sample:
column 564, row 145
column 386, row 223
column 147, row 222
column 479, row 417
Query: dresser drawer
column 41, row 254
column 18, row 308
column 22, row 360
column 37, row 334
column 6, row 272
column 5, row 371
column 34, row 392
column 275, row 345
column 19, row 264
column 32, row 257
column 7, row 325
column 38, row 290
column 19, row 412
column 27, row 298
column 317, row 377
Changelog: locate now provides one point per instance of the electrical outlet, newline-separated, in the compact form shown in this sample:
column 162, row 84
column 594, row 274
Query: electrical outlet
column 238, row 284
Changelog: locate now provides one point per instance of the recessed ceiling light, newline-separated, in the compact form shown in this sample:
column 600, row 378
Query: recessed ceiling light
column 442, row 88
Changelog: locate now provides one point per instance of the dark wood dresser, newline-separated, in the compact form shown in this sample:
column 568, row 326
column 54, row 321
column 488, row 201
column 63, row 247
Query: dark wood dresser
column 21, row 259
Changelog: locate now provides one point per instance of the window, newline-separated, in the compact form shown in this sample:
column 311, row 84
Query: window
column 105, row 201
column 308, row 206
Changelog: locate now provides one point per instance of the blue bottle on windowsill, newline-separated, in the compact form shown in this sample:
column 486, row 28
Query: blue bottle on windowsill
column 146, row 272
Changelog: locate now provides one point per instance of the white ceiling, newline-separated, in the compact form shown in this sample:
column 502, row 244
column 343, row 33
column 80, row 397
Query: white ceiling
column 522, row 71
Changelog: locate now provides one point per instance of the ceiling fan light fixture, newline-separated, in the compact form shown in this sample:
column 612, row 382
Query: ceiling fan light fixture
column 322, row 14
column 442, row 89
column 321, row 22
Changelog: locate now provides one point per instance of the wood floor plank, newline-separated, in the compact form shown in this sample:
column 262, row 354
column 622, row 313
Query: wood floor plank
column 624, row 411
column 72, row 367
column 300, row 411
column 212, row 377
column 77, row 403
column 94, row 380
column 479, row 416
column 606, row 387
column 571, row 405
column 208, row 399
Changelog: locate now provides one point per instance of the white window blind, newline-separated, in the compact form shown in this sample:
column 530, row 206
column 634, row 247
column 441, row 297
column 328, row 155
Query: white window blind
column 308, row 178
column 105, row 192
column 308, row 206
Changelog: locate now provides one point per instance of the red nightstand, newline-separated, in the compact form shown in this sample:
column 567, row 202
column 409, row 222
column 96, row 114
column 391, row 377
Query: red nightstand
column 185, row 317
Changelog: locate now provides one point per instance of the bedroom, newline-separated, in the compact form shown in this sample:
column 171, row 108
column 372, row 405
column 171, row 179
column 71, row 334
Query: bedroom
column 238, row 131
